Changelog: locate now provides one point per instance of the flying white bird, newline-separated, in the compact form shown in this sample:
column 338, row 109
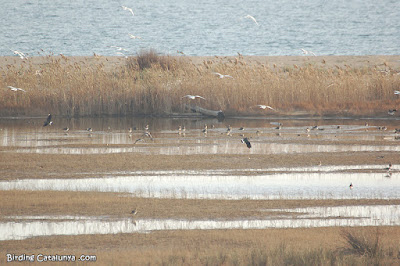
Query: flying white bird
column 16, row 89
column 192, row 97
column 222, row 76
column 128, row 9
column 134, row 37
column 261, row 106
column 118, row 48
column 20, row 54
column 307, row 52
column 252, row 18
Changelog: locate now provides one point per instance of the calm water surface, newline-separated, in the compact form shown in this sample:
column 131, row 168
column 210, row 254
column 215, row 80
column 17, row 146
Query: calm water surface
column 202, row 27
column 24, row 227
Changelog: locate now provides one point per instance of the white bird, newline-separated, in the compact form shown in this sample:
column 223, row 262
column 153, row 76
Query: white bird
column 134, row 37
column 118, row 48
column 192, row 97
column 128, row 9
column 252, row 18
column 20, row 54
column 16, row 89
column 265, row 106
column 307, row 52
column 222, row 76
column 397, row 92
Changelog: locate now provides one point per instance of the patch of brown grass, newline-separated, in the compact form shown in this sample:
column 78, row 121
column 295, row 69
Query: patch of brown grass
column 154, row 84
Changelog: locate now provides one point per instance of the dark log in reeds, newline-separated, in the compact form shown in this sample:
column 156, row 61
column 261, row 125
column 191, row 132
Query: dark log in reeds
column 218, row 114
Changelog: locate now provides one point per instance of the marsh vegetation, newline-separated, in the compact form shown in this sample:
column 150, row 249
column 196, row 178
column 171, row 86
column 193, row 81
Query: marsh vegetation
column 153, row 84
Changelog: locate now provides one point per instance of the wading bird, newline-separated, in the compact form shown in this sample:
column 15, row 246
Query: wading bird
column 134, row 212
column 192, row 97
column 66, row 129
column 351, row 186
column 252, row 18
column 204, row 129
column 392, row 112
column 221, row 76
column 128, row 9
column 48, row 121
column 15, row 89
column 89, row 129
column 246, row 140
column 229, row 130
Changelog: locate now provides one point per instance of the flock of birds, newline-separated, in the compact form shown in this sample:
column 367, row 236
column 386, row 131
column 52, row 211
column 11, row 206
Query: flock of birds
column 245, row 140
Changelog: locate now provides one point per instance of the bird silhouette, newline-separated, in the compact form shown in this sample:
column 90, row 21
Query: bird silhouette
column 48, row 121
column 246, row 140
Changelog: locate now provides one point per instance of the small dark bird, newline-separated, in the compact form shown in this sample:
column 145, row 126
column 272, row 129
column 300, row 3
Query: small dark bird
column 246, row 140
column 48, row 121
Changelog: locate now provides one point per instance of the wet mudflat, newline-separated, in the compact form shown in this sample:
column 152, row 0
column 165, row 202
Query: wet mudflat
column 290, row 159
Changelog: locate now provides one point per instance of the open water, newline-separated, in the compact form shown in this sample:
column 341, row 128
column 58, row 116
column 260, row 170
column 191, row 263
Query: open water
column 202, row 27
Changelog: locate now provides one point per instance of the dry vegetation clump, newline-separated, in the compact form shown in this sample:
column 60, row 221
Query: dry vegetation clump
column 153, row 84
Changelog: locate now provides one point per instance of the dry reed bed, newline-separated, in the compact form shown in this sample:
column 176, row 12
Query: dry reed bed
column 150, row 84
column 312, row 246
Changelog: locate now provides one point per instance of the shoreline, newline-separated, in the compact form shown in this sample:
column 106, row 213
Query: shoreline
column 331, row 61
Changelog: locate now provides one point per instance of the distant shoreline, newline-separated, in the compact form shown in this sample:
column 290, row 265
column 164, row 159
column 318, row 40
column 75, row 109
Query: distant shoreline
column 330, row 61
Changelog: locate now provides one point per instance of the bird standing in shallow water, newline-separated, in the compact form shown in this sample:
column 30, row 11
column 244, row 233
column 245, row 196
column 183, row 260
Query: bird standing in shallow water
column 246, row 140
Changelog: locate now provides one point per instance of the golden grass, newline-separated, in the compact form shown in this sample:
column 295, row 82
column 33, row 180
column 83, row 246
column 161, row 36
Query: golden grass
column 150, row 84
column 17, row 202
column 313, row 246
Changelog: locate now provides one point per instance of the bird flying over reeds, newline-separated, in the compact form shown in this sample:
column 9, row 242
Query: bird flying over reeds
column 307, row 52
column 20, row 54
column 246, row 140
column 48, row 121
column 222, row 76
column 192, row 97
column 261, row 106
column 16, row 89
